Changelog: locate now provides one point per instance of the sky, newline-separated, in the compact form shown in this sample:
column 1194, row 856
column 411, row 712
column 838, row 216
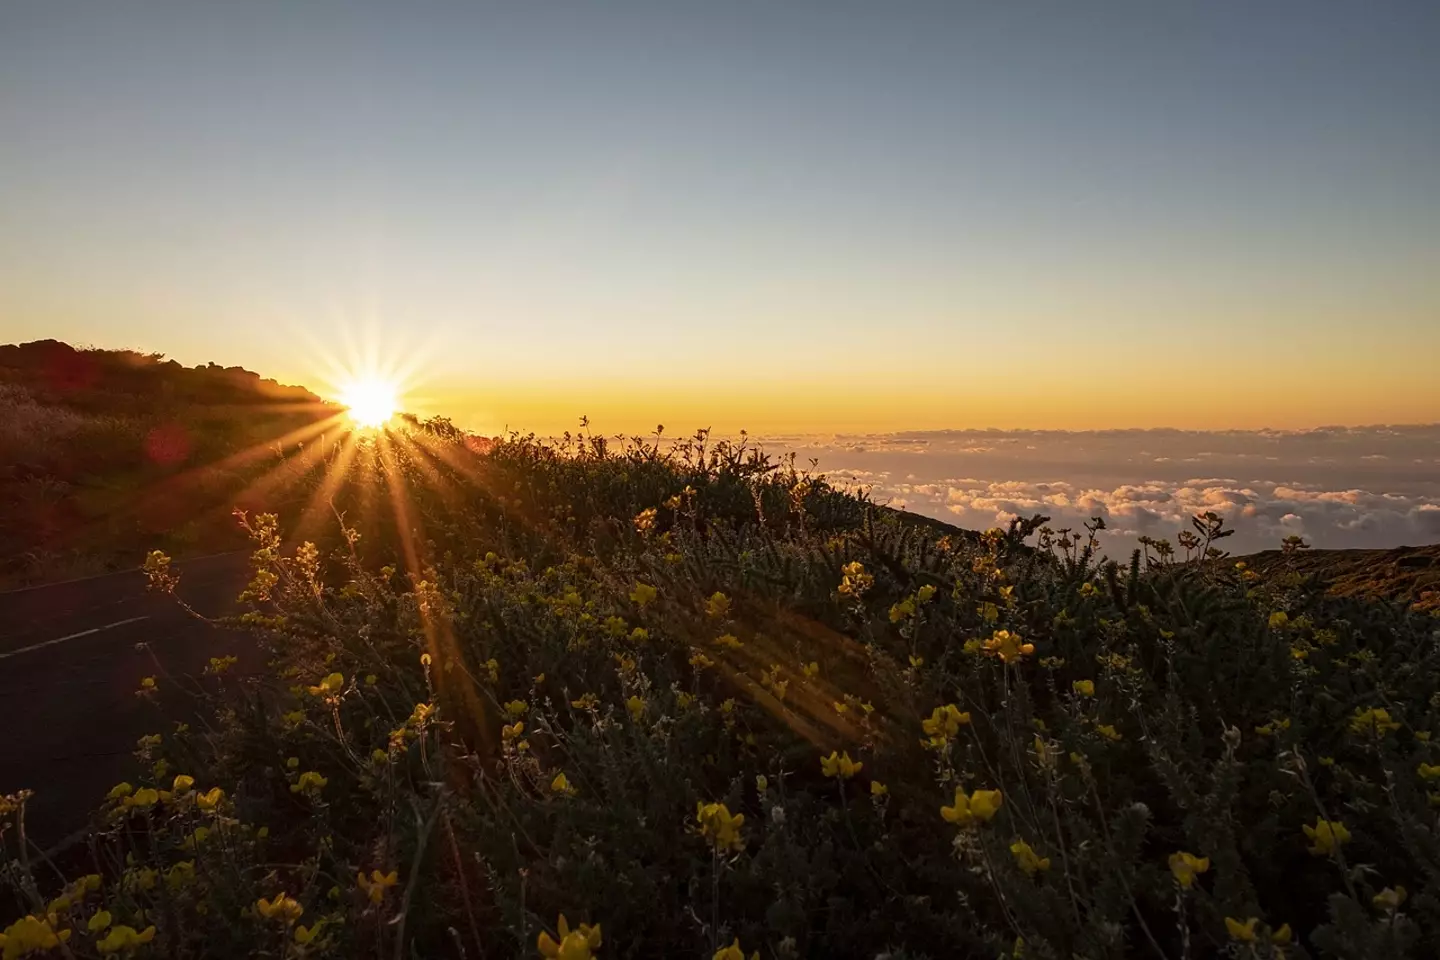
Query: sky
column 774, row 216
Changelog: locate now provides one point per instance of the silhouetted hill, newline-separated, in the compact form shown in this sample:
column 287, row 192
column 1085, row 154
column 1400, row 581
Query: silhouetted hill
column 117, row 381
column 106, row 452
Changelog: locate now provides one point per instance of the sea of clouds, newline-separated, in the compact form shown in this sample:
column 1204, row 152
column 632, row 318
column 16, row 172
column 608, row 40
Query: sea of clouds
column 1335, row 486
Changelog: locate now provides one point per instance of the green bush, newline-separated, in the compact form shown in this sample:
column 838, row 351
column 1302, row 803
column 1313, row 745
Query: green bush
column 702, row 703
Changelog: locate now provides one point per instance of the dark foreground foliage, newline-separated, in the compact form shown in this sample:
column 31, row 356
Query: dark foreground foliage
column 691, row 698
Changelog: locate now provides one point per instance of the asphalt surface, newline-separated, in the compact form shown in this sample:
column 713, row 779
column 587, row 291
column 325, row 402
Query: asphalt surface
column 69, row 669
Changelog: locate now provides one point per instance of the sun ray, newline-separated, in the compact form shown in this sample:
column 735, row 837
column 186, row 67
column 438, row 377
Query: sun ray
column 336, row 473
column 188, row 488
column 439, row 639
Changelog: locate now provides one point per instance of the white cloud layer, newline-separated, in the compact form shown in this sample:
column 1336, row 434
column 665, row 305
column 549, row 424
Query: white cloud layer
column 1337, row 487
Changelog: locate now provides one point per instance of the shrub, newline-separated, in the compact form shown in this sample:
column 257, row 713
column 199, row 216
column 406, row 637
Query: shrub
column 702, row 703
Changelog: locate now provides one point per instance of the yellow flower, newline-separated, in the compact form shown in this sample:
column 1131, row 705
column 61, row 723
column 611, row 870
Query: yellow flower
column 1428, row 771
column 902, row 610
column 1389, row 899
column 944, row 723
column 984, row 804
column 577, row 944
column 120, row 791
column 304, row 935
column 370, row 681
column 717, row 606
column 586, row 701
column 1242, row 931
column 285, row 909
column 1373, row 722
column 124, row 938
column 643, row 594
column 699, row 661
column 1422, row 735
column 636, row 706
column 1282, row 935
column 1108, row 732
column 1085, row 688
column 1279, row 620
column 979, row 806
column 31, row 933
column 925, row 593
column 839, row 765
column 310, row 782
column 209, row 800
column 328, row 687
column 143, row 879
column 644, row 520
column 878, row 789
column 183, row 783
column 219, row 665
column 1027, row 859
column 1186, row 867
column 516, row 708
column 729, row 641
column 1326, row 836
column 720, row 827
column 811, row 670
column 561, row 785
column 99, row 922
column 856, row 581
column 733, row 952
column 1008, row 646
column 377, row 883
column 508, row 732
column 916, row 662
column 181, row 874
column 143, row 799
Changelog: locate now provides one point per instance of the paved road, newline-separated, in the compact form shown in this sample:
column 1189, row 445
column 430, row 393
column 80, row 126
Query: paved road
column 69, row 668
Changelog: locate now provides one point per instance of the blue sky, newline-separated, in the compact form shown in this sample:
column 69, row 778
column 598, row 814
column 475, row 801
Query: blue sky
column 782, row 216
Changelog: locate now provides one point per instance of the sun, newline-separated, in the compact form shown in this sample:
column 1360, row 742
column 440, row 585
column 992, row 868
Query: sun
column 371, row 402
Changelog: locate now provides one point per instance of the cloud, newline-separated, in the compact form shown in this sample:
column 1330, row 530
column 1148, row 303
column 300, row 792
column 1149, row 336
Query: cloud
column 1337, row 487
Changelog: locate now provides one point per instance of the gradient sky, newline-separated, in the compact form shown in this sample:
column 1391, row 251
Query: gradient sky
column 827, row 216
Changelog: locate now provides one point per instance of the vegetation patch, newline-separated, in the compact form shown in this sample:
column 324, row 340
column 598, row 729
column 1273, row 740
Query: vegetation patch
column 634, row 699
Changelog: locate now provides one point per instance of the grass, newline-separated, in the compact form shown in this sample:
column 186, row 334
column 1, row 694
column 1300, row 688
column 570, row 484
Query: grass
column 701, row 703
